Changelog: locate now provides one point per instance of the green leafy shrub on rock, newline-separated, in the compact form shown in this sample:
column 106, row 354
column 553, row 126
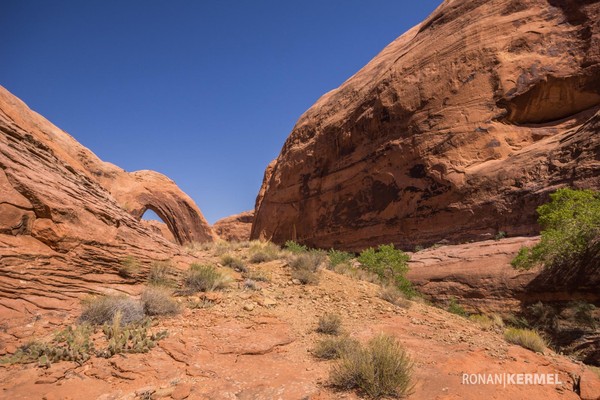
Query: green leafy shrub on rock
column 390, row 264
column 295, row 247
column 569, row 223
column 337, row 257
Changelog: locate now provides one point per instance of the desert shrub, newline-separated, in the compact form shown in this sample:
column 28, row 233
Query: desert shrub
column 487, row 323
column 390, row 265
column 526, row 338
column 331, row 348
column 264, row 251
column 584, row 314
column 337, row 257
column 357, row 273
column 129, row 338
column 101, row 309
column 70, row 344
column 569, row 222
column 251, row 285
column 382, row 368
column 455, row 308
column 158, row 301
column 159, row 274
column 500, row 235
column 128, row 267
column 306, row 277
column 234, row 263
column 294, row 247
column 305, row 267
column 204, row 278
column 393, row 295
column 516, row 321
column 258, row 276
column 310, row 261
column 330, row 324
column 543, row 316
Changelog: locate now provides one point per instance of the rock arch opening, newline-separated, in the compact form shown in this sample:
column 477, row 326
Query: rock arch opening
column 156, row 220
column 152, row 221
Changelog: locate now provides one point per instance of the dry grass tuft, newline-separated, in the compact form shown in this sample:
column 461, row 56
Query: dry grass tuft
column 488, row 323
column 234, row 263
column 102, row 309
column 159, row 301
column 128, row 267
column 526, row 338
column 204, row 278
column 382, row 368
column 160, row 274
column 330, row 324
column 331, row 348
column 393, row 295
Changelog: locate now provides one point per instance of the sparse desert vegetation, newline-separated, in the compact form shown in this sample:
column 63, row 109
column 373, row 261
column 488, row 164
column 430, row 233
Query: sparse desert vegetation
column 330, row 324
column 160, row 274
column 159, row 301
column 390, row 265
column 526, row 338
column 333, row 347
column 129, row 267
column 381, row 368
column 204, row 278
column 98, row 310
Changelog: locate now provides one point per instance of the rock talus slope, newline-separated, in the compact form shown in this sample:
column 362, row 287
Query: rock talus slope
column 64, row 219
column 457, row 130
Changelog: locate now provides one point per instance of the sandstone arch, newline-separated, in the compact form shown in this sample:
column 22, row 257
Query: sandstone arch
column 150, row 190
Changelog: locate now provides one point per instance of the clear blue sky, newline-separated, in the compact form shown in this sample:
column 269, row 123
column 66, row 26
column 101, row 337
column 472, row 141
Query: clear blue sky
column 203, row 91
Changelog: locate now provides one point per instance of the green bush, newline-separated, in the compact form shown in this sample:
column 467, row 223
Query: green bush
column 382, row 368
column 158, row 301
column 455, row 308
column 331, row 348
column 339, row 257
column 204, row 278
column 569, row 222
column 101, row 309
column 526, row 338
column 294, row 247
column 390, row 265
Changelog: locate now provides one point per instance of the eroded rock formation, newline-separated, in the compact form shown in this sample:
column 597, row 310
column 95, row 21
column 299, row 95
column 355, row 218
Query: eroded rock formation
column 235, row 227
column 455, row 131
column 64, row 224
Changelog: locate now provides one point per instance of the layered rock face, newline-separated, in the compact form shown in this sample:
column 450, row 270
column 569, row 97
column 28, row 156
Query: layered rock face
column 457, row 130
column 235, row 227
column 63, row 214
